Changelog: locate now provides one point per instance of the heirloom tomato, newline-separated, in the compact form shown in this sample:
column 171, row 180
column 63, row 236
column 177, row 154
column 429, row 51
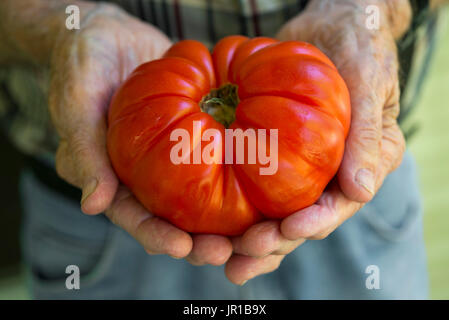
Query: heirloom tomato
column 259, row 83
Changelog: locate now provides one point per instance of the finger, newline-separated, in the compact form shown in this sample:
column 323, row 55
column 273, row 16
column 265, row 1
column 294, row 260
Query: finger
column 285, row 248
column 317, row 221
column 369, row 68
column 83, row 161
column 288, row 247
column 333, row 208
column 362, row 149
column 154, row 234
column 210, row 249
column 78, row 99
column 393, row 149
column 263, row 239
column 393, row 141
column 240, row 269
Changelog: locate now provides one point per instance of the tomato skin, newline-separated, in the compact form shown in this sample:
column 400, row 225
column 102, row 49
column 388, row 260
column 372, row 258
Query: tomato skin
column 223, row 54
column 243, row 51
column 196, row 52
column 289, row 86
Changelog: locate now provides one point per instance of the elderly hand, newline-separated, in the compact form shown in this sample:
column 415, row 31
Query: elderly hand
column 367, row 60
column 86, row 67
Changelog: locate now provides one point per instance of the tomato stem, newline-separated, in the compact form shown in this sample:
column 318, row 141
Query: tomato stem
column 221, row 103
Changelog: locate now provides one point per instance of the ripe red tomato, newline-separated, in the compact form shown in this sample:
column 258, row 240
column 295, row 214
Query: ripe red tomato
column 258, row 83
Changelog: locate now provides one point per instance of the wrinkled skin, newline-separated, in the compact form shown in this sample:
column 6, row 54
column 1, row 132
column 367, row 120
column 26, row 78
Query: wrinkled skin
column 368, row 63
column 367, row 60
column 109, row 46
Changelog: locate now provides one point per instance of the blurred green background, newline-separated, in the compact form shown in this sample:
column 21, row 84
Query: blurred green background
column 430, row 145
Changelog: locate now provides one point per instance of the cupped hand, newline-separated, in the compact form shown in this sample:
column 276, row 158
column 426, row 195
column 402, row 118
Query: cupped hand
column 86, row 67
column 367, row 60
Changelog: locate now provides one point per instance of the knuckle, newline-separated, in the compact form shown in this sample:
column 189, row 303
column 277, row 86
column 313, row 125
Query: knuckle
column 113, row 211
column 391, row 113
column 368, row 135
column 78, row 146
column 220, row 261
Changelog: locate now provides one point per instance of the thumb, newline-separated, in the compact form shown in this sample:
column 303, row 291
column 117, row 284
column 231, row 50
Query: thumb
column 82, row 160
column 357, row 172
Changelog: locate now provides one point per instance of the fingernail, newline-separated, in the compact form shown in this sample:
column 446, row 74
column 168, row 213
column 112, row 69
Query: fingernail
column 89, row 189
column 243, row 282
column 365, row 178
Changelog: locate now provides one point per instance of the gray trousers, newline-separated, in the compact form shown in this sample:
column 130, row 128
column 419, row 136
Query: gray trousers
column 386, row 234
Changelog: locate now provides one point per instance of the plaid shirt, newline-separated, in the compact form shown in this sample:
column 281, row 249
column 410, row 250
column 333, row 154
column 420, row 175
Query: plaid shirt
column 23, row 92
